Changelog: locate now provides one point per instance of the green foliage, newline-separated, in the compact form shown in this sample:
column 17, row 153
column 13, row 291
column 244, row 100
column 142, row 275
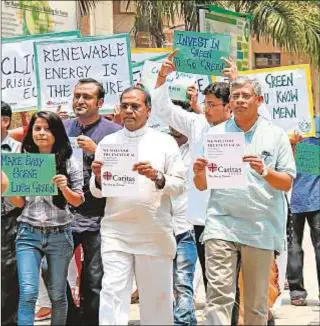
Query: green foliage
column 292, row 25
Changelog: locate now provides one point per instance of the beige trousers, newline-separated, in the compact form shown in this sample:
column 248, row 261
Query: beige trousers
column 221, row 264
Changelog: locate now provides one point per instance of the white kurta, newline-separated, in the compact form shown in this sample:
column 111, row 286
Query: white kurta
column 142, row 224
column 180, row 202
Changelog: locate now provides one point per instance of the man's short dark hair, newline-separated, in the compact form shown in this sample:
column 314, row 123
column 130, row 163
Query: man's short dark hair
column 101, row 91
column 220, row 90
column 185, row 105
column 147, row 97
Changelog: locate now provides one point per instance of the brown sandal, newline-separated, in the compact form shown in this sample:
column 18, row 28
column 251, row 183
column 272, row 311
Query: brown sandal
column 299, row 302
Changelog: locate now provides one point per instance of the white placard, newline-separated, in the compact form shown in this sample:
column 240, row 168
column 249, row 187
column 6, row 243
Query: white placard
column 60, row 65
column 18, row 78
column 288, row 96
column 178, row 82
column 77, row 152
column 117, row 177
column 224, row 153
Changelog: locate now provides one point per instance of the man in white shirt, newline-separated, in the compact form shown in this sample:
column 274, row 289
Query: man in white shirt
column 137, row 231
column 184, row 264
column 194, row 126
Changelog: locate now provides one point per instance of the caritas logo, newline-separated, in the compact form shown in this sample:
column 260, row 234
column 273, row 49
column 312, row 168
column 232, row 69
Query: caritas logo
column 49, row 102
column 107, row 176
column 212, row 167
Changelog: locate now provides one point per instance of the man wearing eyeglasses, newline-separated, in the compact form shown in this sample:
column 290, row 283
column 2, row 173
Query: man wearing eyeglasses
column 9, row 214
column 194, row 126
column 249, row 222
column 137, row 231
column 89, row 128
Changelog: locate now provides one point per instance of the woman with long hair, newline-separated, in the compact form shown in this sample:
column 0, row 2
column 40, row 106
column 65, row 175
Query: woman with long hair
column 44, row 224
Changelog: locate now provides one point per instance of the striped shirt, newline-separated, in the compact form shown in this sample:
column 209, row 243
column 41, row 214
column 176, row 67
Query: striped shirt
column 40, row 210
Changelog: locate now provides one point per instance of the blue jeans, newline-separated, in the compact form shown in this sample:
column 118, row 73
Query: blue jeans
column 184, row 266
column 32, row 243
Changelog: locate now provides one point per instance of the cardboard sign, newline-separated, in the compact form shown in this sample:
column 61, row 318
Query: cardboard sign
column 18, row 78
column 288, row 96
column 137, row 67
column 141, row 54
column 29, row 174
column 308, row 159
column 60, row 65
column 200, row 53
column 178, row 82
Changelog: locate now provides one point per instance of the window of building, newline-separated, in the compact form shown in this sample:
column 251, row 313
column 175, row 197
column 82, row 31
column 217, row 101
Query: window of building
column 267, row 60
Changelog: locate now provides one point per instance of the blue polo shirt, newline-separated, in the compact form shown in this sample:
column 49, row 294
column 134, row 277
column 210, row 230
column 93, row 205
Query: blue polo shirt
column 306, row 188
column 256, row 215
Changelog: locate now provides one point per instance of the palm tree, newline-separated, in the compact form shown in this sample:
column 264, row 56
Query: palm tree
column 292, row 25
column 85, row 6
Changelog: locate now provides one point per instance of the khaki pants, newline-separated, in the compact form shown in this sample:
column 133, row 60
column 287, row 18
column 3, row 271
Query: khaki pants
column 221, row 270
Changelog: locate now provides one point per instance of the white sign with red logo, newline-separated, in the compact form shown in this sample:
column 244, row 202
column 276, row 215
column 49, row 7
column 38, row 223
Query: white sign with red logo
column 224, row 153
column 117, row 177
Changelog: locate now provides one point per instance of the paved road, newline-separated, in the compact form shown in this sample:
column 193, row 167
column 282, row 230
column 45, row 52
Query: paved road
column 286, row 314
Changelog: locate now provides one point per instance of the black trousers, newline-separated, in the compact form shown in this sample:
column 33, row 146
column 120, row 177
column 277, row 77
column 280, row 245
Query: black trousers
column 296, row 223
column 9, row 275
column 198, row 229
column 90, row 281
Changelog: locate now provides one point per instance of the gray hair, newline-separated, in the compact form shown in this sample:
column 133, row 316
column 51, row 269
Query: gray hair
column 243, row 80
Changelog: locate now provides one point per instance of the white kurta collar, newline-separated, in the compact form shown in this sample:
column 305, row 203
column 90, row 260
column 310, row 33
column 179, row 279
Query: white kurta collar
column 137, row 133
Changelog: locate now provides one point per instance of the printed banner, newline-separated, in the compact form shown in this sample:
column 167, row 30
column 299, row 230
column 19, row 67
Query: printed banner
column 200, row 53
column 28, row 17
column 308, row 159
column 224, row 153
column 29, row 174
column 18, row 78
column 60, row 65
column 237, row 25
column 117, row 177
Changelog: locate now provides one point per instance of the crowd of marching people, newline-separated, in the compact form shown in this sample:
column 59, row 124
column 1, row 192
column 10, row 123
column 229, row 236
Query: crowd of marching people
column 157, row 234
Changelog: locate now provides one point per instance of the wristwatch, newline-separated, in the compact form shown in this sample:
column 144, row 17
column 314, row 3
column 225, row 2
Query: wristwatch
column 264, row 172
column 159, row 176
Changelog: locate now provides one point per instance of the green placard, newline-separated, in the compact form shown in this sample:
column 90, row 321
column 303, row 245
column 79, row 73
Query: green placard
column 29, row 174
column 308, row 159
column 200, row 53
